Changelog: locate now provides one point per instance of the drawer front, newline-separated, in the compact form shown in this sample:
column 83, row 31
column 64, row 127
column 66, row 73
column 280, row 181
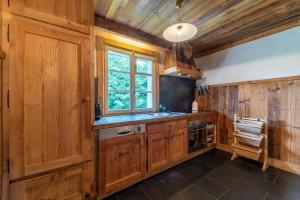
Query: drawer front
column 158, row 127
column 181, row 123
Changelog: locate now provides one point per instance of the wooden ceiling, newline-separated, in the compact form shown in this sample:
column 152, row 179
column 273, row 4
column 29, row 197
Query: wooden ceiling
column 219, row 22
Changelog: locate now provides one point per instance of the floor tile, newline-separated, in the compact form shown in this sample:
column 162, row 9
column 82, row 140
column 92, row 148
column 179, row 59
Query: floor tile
column 285, row 193
column 210, row 186
column 243, row 191
column 133, row 193
column 175, row 181
column 288, row 180
column 193, row 192
column 159, row 191
column 150, row 181
column 193, row 172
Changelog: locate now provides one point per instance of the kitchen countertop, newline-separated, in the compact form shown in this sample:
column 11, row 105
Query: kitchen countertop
column 123, row 120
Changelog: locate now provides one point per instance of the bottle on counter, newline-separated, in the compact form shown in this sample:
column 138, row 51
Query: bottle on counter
column 97, row 109
column 195, row 106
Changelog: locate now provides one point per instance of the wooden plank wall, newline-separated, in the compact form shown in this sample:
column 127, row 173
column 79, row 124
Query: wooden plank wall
column 278, row 99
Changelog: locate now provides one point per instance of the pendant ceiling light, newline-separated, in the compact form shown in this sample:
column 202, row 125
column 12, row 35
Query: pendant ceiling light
column 181, row 31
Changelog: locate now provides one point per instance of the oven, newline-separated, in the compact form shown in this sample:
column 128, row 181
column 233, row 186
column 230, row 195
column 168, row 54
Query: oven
column 197, row 135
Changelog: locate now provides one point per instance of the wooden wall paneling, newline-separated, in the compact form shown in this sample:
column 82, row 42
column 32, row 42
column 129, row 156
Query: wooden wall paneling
column 222, row 116
column 241, row 101
column 51, row 113
column 213, row 98
column 263, row 100
column 72, row 14
column 233, row 108
column 277, row 99
column 295, row 122
column 279, row 120
column 227, row 117
column 252, row 96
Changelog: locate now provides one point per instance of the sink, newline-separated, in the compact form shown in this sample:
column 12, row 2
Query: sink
column 164, row 114
column 159, row 114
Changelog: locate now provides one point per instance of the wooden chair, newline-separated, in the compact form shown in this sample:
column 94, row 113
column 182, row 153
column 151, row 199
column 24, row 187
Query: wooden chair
column 251, row 139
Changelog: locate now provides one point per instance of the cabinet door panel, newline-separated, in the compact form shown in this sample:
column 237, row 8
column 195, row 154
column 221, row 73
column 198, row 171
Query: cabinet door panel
column 178, row 145
column 122, row 161
column 67, row 184
column 72, row 14
column 48, row 74
column 158, row 150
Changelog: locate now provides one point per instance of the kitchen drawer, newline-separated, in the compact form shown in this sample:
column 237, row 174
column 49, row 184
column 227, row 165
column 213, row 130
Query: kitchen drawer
column 158, row 127
column 180, row 123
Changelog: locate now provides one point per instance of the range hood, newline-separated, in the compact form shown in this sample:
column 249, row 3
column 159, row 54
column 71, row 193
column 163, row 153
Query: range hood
column 179, row 63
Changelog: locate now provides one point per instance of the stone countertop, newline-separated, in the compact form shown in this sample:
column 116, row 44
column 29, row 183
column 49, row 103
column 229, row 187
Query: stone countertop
column 123, row 120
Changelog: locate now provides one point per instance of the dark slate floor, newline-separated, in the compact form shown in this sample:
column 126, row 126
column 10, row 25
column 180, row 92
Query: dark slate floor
column 214, row 176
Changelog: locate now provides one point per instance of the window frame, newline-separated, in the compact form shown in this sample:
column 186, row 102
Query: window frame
column 135, row 56
column 133, row 72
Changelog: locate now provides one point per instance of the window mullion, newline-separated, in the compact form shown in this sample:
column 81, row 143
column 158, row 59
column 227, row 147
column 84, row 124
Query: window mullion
column 132, row 82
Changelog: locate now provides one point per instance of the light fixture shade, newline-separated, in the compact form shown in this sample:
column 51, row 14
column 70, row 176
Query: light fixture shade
column 180, row 32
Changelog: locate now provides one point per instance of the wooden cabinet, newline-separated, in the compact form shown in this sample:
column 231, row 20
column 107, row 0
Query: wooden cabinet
column 68, row 184
column 167, row 142
column 122, row 162
column 158, row 150
column 72, row 14
column 178, row 144
column 49, row 111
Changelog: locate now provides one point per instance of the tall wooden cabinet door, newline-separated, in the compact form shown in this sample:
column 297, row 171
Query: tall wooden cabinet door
column 178, row 144
column 158, row 150
column 122, row 161
column 49, row 98
column 63, row 185
column 72, row 14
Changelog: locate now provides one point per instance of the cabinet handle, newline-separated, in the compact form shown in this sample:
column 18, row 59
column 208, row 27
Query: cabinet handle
column 125, row 133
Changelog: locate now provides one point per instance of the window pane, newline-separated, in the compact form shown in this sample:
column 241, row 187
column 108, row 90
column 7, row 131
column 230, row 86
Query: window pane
column 118, row 101
column 143, row 66
column 144, row 100
column 118, row 61
column 118, row 81
column 143, row 83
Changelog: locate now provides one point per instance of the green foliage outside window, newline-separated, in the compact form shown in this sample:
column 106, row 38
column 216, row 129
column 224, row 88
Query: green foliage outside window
column 119, row 82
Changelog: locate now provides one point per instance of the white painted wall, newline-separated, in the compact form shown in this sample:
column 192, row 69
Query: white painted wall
column 274, row 56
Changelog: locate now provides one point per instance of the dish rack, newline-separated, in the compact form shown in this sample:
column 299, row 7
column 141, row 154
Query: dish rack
column 250, row 139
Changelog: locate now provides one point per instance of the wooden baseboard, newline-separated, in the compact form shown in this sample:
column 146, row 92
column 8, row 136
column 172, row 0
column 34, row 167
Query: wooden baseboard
column 286, row 166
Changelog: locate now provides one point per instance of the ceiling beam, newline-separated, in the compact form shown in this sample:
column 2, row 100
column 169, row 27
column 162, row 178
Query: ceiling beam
column 130, row 32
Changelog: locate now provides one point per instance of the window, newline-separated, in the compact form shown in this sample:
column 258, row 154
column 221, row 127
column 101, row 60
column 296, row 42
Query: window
column 129, row 82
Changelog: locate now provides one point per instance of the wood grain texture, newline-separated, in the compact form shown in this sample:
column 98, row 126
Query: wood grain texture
column 130, row 32
column 60, row 185
column 49, row 98
column 178, row 140
column 72, row 14
column 220, row 23
column 122, row 162
column 276, row 99
column 158, row 148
